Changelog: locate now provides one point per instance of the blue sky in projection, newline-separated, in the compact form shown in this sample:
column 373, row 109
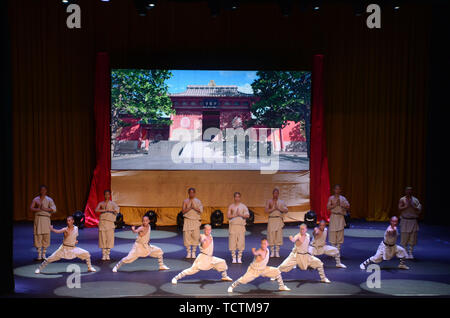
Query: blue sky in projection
column 182, row 78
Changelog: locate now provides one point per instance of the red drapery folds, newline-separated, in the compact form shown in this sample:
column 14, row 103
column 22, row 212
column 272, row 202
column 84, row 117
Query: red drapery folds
column 102, row 173
column 320, row 182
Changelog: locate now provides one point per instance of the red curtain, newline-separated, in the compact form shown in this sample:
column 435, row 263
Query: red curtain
column 102, row 173
column 320, row 182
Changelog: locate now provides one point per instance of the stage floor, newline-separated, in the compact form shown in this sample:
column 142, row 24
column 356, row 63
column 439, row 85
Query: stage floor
column 429, row 273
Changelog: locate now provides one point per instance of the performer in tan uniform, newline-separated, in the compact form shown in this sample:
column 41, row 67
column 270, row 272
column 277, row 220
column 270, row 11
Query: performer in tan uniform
column 338, row 205
column 276, row 209
column 388, row 248
column 301, row 257
column 319, row 245
column 205, row 260
column 259, row 268
column 108, row 210
column 237, row 215
column 68, row 249
column 409, row 208
column 42, row 206
column 142, row 248
column 192, row 209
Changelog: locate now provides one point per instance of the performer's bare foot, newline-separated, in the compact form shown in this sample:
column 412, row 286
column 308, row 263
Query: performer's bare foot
column 163, row 267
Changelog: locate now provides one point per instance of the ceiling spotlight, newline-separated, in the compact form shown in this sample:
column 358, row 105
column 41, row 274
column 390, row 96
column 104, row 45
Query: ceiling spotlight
column 65, row 1
column 316, row 5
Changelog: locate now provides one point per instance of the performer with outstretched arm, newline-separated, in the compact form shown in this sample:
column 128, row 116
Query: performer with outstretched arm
column 68, row 249
column 259, row 268
column 108, row 210
column 388, row 248
column 276, row 209
column 42, row 206
column 319, row 244
column 192, row 210
column 142, row 248
column 409, row 208
column 237, row 215
column 205, row 260
column 301, row 257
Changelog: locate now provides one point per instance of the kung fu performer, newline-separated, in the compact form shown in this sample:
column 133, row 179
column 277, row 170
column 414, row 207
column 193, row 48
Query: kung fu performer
column 108, row 210
column 192, row 209
column 338, row 205
column 409, row 207
column 237, row 215
column 319, row 244
column 276, row 209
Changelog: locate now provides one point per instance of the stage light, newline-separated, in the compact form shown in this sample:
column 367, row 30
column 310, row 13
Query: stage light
column 216, row 219
column 78, row 219
column 251, row 219
column 311, row 219
column 152, row 217
column 119, row 221
column 316, row 5
column 347, row 220
column 180, row 221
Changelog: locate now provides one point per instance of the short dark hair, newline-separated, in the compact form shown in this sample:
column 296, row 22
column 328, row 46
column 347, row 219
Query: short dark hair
column 43, row 186
column 236, row 193
column 276, row 189
column 264, row 239
column 107, row 190
column 70, row 217
column 191, row 189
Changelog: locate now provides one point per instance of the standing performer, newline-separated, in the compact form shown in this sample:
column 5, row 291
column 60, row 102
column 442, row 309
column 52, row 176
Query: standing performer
column 388, row 248
column 43, row 206
column 276, row 209
column 237, row 215
column 142, row 248
column 108, row 210
column 319, row 244
column 68, row 249
column 301, row 257
column 338, row 205
column 259, row 268
column 192, row 209
column 409, row 207
column 205, row 260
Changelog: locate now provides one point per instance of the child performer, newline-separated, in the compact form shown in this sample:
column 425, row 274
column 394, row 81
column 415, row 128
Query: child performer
column 205, row 260
column 237, row 215
column 108, row 210
column 192, row 210
column 388, row 248
column 319, row 245
column 43, row 206
column 259, row 268
column 141, row 248
column 68, row 249
column 300, row 256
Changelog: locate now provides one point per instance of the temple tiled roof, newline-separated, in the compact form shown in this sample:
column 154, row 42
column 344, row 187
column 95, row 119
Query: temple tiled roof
column 211, row 90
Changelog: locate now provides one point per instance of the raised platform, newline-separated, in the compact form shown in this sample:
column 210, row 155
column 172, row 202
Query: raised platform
column 429, row 274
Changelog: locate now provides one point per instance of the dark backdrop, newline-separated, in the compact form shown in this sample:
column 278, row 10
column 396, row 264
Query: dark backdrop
column 376, row 85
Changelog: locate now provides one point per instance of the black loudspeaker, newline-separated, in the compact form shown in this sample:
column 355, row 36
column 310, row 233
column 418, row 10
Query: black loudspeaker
column 347, row 220
column 216, row 219
column 251, row 219
column 78, row 219
column 311, row 219
column 152, row 217
column 119, row 221
column 180, row 221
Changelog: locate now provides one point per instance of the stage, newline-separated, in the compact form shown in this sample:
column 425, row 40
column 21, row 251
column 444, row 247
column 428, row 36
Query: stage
column 429, row 273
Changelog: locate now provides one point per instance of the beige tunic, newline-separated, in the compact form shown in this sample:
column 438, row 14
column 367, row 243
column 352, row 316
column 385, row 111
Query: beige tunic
column 42, row 218
column 68, row 250
column 388, row 248
column 106, row 225
column 275, row 225
column 300, row 256
column 142, row 248
column 319, row 245
column 257, row 269
column 192, row 223
column 236, row 228
column 337, row 220
column 409, row 216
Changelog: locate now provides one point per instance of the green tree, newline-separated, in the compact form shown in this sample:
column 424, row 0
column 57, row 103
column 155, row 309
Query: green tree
column 283, row 96
column 143, row 94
